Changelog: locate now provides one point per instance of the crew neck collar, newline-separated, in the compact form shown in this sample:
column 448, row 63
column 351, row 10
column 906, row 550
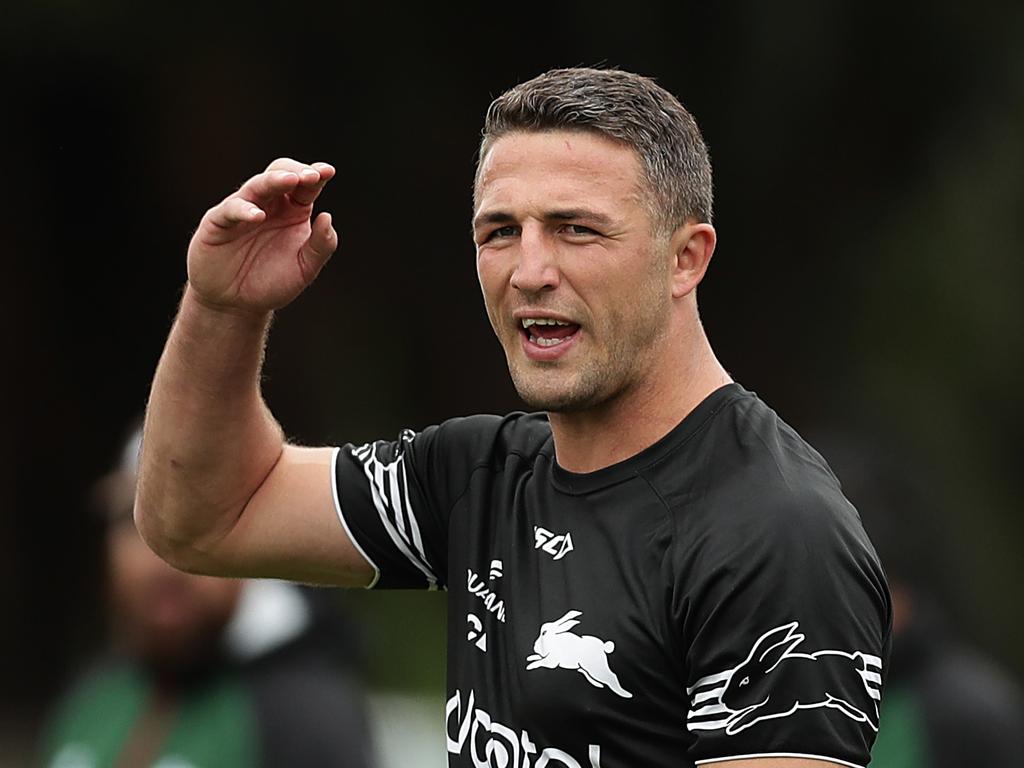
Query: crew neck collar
column 578, row 483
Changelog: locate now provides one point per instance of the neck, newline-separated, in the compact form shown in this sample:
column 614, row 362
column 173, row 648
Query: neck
column 680, row 377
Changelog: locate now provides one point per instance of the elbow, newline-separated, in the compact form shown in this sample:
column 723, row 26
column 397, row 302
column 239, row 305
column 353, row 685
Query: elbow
column 179, row 548
column 157, row 536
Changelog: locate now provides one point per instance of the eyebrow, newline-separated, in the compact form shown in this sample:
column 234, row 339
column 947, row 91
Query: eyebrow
column 566, row 214
column 492, row 217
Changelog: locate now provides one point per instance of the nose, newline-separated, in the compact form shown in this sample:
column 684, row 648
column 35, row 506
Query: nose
column 537, row 268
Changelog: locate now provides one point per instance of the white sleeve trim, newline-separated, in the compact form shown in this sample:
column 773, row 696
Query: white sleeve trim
column 382, row 477
column 777, row 754
column 344, row 524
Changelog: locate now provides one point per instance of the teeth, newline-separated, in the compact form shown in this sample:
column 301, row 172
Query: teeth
column 528, row 321
column 542, row 342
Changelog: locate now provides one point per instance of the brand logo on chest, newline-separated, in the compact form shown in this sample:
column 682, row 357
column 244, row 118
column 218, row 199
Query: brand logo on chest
column 477, row 586
column 558, row 545
column 492, row 744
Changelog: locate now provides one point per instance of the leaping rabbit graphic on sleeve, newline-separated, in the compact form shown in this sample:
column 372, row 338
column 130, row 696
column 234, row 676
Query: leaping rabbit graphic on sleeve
column 775, row 681
column 557, row 647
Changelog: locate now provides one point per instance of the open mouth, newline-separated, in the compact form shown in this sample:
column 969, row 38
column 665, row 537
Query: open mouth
column 547, row 332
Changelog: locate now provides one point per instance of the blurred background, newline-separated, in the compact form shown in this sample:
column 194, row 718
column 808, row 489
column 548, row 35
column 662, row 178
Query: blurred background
column 869, row 170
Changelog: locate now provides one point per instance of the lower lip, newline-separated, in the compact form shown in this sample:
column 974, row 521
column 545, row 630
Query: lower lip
column 547, row 354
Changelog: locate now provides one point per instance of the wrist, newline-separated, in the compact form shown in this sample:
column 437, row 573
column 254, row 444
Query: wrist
column 221, row 347
column 194, row 302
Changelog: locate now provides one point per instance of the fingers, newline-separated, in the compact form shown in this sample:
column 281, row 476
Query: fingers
column 285, row 182
column 318, row 248
column 271, row 184
column 302, row 183
column 311, row 181
column 287, row 164
column 233, row 215
column 236, row 210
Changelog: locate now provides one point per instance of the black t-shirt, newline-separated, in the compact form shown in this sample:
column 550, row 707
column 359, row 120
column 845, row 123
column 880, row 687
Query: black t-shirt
column 713, row 597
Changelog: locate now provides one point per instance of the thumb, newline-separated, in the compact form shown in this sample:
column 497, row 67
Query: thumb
column 315, row 252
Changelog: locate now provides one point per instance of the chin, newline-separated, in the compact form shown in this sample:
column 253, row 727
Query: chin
column 551, row 403
column 547, row 395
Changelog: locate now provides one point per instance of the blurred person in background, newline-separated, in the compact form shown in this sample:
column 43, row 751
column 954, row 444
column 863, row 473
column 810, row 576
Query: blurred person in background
column 205, row 672
column 947, row 705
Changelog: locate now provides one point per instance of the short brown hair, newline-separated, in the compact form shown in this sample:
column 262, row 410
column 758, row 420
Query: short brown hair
column 626, row 108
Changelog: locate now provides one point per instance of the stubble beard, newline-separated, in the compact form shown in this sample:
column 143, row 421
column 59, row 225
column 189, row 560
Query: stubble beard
column 582, row 392
column 599, row 379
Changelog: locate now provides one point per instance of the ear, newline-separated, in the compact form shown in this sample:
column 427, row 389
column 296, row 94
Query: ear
column 692, row 246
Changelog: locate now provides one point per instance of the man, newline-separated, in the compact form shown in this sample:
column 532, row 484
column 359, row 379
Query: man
column 655, row 572
column 203, row 671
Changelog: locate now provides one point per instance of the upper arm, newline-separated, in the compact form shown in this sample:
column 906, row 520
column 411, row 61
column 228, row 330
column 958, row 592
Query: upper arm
column 289, row 528
column 368, row 515
column 787, row 620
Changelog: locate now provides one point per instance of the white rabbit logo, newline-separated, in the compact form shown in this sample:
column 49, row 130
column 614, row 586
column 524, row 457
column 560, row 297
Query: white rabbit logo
column 557, row 647
column 754, row 691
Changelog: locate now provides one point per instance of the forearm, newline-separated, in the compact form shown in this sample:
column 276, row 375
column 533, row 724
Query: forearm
column 209, row 439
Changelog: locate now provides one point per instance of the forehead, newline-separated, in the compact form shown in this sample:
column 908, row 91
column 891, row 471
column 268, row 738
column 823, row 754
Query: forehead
column 558, row 167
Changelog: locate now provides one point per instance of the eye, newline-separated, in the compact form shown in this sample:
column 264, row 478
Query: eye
column 506, row 231
column 579, row 229
column 744, row 681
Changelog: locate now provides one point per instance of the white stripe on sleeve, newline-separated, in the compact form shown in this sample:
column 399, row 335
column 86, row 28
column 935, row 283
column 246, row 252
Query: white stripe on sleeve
column 344, row 524
column 385, row 502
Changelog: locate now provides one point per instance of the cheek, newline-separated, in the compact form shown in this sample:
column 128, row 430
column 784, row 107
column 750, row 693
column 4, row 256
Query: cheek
column 488, row 269
column 645, row 297
column 493, row 280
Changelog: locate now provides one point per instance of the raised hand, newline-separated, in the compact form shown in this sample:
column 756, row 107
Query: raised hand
column 257, row 250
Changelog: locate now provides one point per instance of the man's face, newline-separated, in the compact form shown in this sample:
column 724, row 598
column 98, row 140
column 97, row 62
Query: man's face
column 577, row 287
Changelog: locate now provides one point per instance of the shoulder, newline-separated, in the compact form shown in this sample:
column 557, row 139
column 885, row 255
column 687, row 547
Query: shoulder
column 460, row 444
column 762, row 487
column 757, row 464
column 753, row 445
column 487, row 438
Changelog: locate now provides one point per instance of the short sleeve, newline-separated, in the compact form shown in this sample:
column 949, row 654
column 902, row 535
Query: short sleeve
column 787, row 623
column 393, row 497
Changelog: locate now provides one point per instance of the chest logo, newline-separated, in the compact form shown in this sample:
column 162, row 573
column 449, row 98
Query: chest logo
column 477, row 586
column 497, row 570
column 558, row 648
column 558, row 545
column 476, row 632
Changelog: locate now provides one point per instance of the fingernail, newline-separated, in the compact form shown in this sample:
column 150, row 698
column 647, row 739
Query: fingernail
column 310, row 173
